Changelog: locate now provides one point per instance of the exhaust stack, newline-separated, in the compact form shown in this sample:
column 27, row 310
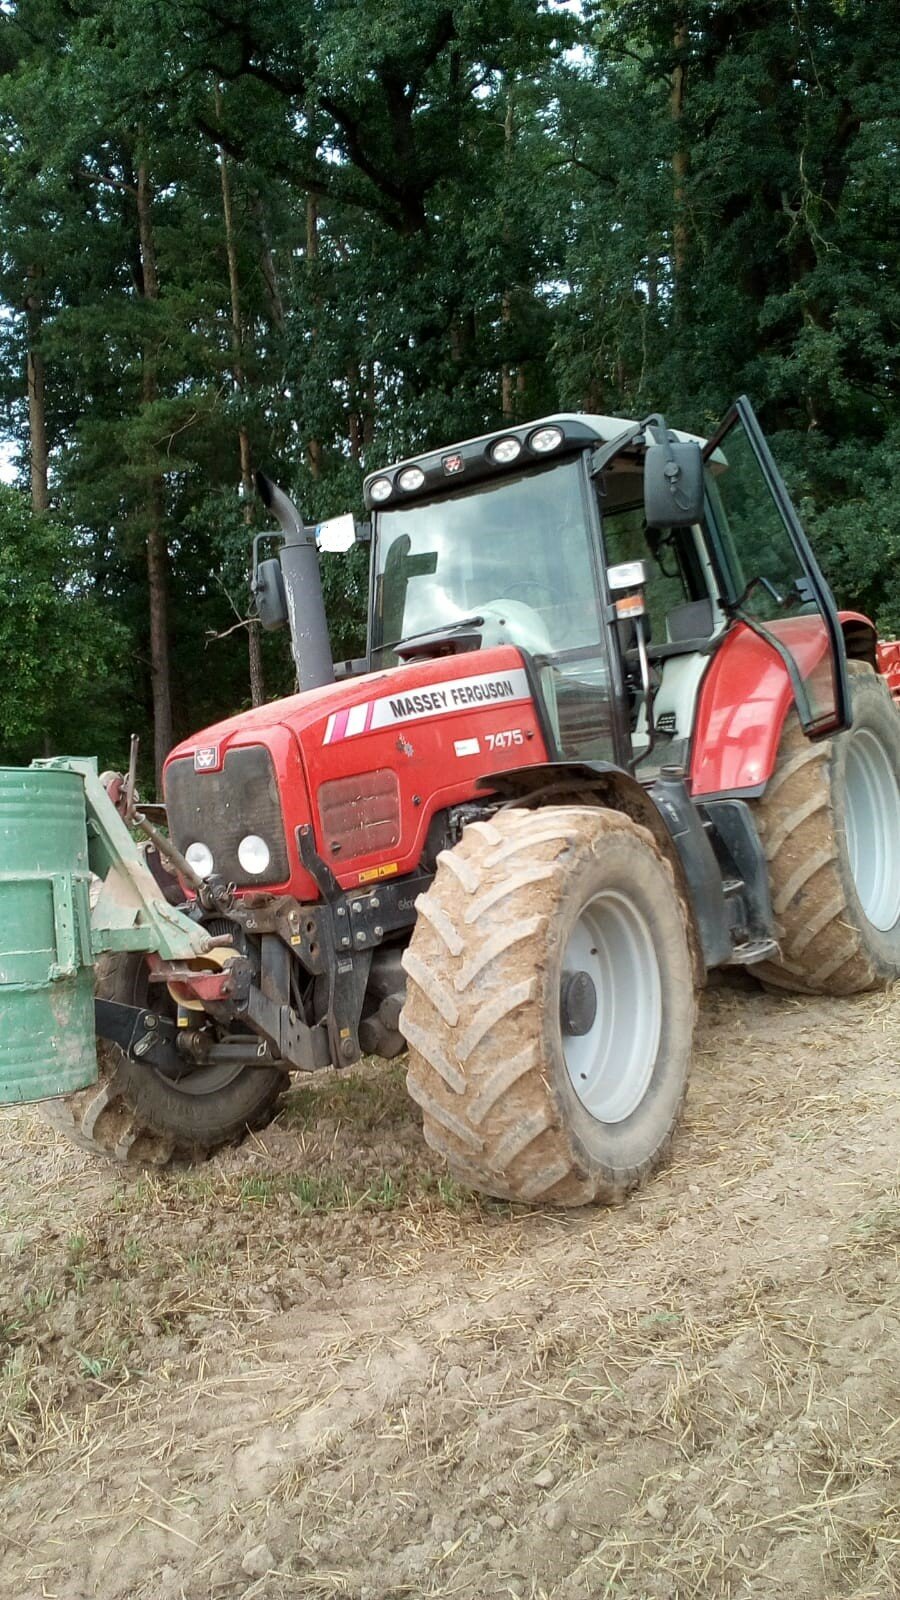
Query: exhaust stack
column 310, row 644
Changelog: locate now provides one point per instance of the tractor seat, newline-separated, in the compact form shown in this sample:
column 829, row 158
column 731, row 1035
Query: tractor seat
column 690, row 628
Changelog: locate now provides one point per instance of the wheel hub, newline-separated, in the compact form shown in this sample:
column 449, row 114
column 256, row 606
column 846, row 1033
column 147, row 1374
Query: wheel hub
column 577, row 1004
column 873, row 828
column 610, row 1007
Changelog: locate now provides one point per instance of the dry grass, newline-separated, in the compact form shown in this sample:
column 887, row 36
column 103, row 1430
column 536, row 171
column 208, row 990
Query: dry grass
column 321, row 1344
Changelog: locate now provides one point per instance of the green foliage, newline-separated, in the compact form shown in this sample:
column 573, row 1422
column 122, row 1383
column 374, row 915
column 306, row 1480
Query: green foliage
column 445, row 215
column 64, row 675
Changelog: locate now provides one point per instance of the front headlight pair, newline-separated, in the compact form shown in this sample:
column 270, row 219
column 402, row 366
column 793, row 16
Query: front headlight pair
column 253, row 855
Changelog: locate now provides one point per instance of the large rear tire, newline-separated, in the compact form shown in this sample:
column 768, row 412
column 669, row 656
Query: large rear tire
column 135, row 1116
column 526, row 1093
column 830, row 825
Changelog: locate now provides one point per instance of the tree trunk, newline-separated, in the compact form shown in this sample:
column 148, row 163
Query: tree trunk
column 157, row 547
column 369, row 412
column 314, row 448
column 254, row 638
column 681, row 159
column 506, row 372
column 267, row 267
column 254, row 650
column 37, row 413
column 354, row 416
column 158, row 585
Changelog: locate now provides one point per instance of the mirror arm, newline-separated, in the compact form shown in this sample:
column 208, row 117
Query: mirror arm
column 257, row 541
column 604, row 454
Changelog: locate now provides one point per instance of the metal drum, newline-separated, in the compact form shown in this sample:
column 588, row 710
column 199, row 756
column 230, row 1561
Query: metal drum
column 47, row 1040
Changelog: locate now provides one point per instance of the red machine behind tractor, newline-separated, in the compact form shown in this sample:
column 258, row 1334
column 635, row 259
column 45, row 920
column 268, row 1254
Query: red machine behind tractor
column 610, row 733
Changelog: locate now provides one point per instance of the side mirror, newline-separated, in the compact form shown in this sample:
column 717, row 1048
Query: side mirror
column 673, row 480
column 269, row 593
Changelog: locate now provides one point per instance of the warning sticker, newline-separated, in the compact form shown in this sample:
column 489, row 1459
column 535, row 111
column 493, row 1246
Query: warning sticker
column 457, row 694
column 387, row 870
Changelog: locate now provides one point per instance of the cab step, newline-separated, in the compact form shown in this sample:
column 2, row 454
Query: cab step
column 746, row 955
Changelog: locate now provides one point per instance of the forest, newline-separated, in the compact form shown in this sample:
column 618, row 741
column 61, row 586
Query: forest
column 313, row 236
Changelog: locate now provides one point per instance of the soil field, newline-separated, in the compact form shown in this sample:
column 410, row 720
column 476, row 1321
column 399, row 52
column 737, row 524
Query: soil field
column 316, row 1367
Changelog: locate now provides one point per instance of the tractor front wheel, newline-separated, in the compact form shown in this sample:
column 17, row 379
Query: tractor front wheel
column 830, row 825
column 550, row 1005
column 134, row 1115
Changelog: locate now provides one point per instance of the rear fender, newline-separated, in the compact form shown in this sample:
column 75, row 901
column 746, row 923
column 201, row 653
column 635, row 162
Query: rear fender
column 860, row 638
column 744, row 699
column 889, row 666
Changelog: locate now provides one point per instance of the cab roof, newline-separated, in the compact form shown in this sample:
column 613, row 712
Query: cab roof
column 580, row 429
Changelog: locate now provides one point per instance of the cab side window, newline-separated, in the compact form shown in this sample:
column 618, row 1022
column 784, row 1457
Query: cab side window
column 671, row 560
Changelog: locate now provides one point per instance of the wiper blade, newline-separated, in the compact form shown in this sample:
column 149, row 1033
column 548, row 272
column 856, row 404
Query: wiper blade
column 434, row 633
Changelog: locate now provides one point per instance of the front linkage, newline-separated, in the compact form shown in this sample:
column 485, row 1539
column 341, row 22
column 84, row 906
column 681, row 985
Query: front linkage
column 248, row 976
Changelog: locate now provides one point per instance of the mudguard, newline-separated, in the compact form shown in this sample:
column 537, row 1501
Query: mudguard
column 889, row 665
column 746, row 695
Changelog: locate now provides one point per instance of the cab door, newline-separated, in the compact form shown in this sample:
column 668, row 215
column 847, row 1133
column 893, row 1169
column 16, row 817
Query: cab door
column 770, row 577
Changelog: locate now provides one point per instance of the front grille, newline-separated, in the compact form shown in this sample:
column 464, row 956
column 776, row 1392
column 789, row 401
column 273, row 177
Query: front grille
column 219, row 809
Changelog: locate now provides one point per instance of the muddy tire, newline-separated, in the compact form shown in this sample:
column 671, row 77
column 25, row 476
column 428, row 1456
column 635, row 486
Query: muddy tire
column 830, row 825
column 133, row 1115
column 519, row 1105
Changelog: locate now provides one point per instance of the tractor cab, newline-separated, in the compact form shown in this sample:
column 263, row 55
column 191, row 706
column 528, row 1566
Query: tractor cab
column 616, row 556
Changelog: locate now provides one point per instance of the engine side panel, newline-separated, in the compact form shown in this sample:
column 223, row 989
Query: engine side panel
column 437, row 726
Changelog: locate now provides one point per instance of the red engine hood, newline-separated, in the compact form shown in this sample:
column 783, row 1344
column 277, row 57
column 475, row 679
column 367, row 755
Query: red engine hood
column 301, row 711
column 440, row 725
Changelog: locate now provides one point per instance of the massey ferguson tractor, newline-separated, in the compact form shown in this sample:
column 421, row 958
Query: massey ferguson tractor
column 610, row 733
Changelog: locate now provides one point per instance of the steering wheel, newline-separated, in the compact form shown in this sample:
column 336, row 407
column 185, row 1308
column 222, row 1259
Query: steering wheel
column 543, row 597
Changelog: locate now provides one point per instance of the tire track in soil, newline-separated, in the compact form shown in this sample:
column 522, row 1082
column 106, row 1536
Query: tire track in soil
column 694, row 1395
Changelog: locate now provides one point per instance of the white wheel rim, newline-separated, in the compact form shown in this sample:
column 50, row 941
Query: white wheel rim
column 611, row 1065
column 873, row 828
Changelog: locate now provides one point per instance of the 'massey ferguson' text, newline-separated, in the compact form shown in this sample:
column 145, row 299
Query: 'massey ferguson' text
column 437, row 700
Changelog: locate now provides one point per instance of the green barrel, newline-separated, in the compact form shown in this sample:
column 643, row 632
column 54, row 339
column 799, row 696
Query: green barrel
column 47, row 1042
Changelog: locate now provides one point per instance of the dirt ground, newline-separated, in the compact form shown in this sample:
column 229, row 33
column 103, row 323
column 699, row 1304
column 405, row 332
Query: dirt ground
column 317, row 1367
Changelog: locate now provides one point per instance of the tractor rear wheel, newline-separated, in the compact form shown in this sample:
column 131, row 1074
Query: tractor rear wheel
column 134, row 1115
column 550, row 1005
column 830, row 825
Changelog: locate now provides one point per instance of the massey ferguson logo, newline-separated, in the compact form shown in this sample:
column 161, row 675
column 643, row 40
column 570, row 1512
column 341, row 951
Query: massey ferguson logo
column 485, row 690
column 206, row 759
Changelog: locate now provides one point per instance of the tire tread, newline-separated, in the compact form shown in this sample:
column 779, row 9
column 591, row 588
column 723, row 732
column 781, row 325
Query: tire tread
column 485, row 931
column 824, row 948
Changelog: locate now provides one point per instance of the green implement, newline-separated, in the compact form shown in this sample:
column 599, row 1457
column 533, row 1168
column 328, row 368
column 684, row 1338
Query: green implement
column 58, row 829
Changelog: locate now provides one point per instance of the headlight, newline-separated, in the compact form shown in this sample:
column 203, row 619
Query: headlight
column 505, row 451
column 200, row 857
column 253, row 854
column 545, row 440
column 411, row 478
column 380, row 489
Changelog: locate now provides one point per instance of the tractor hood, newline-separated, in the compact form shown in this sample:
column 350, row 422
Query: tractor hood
column 461, row 681
column 368, row 762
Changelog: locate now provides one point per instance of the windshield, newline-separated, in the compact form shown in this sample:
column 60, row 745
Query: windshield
column 515, row 546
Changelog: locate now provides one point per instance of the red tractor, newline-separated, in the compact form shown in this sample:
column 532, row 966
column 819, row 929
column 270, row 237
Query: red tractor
column 610, row 733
